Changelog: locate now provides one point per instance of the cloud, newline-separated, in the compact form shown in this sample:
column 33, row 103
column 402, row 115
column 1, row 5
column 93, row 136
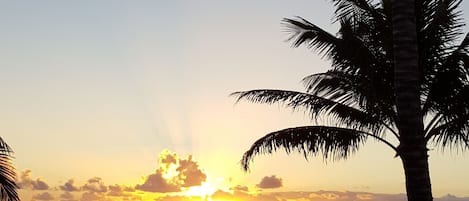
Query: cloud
column 240, row 188
column 43, row 196
column 92, row 196
column 302, row 196
column 450, row 197
column 172, row 174
column 189, row 173
column 339, row 196
column 156, row 183
column 177, row 198
column 120, row 190
column 69, row 186
column 26, row 182
column 167, row 158
column 67, row 196
column 270, row 182
column 96, row 190
column 132, row 198
column 95, row 185
column 240, row 195
column 221, row 195
column 299, row 196
column 40, row 185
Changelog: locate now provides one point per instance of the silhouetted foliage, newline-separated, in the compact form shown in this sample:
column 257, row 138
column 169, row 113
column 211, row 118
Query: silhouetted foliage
column 8, row 187
column 355, row 99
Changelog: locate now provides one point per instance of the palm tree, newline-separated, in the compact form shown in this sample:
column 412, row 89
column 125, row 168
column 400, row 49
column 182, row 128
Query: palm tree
column 413, row 148
column 8, row 187
column 355, row 98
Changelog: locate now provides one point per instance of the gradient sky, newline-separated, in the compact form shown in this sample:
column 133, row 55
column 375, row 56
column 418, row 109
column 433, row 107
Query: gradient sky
column 100, row 88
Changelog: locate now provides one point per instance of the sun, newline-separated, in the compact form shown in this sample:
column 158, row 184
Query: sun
column 204, row 190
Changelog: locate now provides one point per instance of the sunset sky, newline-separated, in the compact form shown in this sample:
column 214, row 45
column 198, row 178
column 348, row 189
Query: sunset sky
column 101, row 100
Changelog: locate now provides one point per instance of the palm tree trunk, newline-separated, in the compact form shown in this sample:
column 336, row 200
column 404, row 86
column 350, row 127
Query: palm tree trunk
column 412, row 149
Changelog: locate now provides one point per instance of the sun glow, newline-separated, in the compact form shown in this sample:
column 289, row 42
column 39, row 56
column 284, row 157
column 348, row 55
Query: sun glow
column 170, row 172
column 204, row 190
column 222, row 200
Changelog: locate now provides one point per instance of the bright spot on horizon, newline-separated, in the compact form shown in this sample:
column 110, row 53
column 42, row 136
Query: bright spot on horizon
column 206, row 190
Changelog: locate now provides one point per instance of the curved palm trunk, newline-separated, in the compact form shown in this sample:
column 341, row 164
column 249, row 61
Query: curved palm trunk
column 412, row 149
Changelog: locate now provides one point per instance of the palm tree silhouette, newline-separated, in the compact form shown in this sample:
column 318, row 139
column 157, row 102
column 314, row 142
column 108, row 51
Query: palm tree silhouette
column 355, row 98
column 8, row 187
column 413, row 150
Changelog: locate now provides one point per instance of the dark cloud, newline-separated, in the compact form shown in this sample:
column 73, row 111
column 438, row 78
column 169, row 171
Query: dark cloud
column 167, row 158
column 69, row 186
column 95, row 185
column 173, row 174
column 26, row 182
column 43, row 196
column 190, row 173
column 156, row 183
column 270, row 182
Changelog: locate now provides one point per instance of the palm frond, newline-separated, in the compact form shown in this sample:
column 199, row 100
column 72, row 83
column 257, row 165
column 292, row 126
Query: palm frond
column 304, row 32
column 357, row 10
column 463, row 50
column 333, row 85
column 8, row 187
column 4, row 147
column 452, row 126
column 317, row 106
column 443, row 24
column 449, row 81
column 329, row 142
column 452, row 134
column 351, row 90
column 437, row 35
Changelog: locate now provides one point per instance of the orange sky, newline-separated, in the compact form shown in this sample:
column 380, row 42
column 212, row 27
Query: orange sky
column 182, row 178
